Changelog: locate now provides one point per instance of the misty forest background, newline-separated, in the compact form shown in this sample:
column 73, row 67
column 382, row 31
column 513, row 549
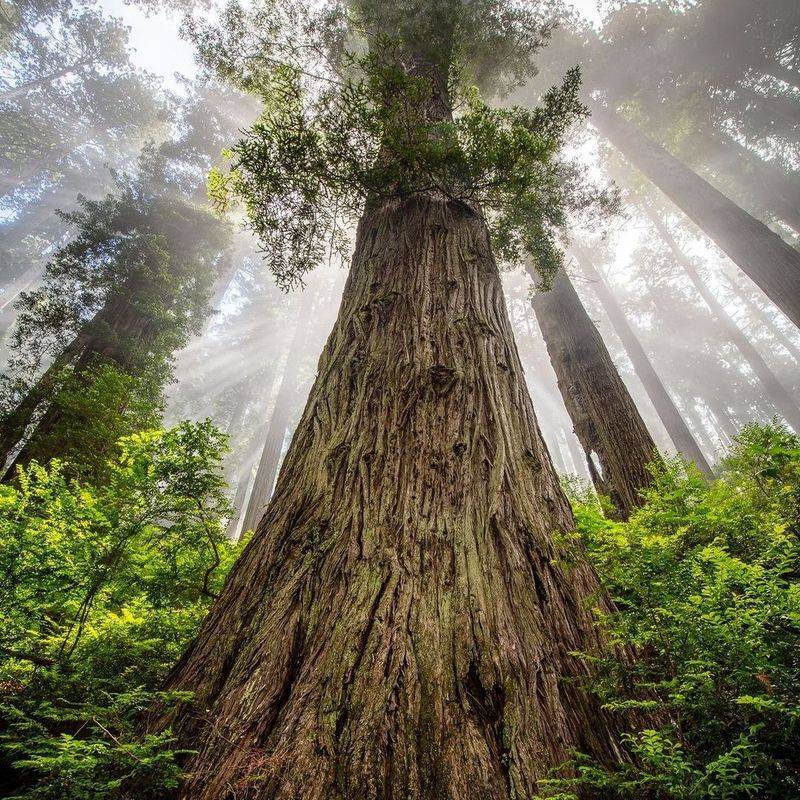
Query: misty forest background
column 158, row 356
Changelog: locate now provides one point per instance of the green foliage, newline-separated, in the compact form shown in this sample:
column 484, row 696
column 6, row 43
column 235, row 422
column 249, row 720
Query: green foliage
column 136, row 275
column 93, row 411
column 101, row 587
column 705, row 579
column 118, row 299
column 400, row 121
column 305, row 172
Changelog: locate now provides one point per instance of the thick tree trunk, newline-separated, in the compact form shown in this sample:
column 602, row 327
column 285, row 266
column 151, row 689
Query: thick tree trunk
column 778, row 395
column 671, row 418
column 400, row 625
column 760, row 253
column 604, row 417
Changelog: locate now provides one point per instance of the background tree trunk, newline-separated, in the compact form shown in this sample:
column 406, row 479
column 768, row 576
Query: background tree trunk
column 774, row 389
column 665, row 407
column 775, row 192
column 605, row 418
column 759, row 253
column 279, row 419
column 400, row 624
column 760, row 313
column 119, row 334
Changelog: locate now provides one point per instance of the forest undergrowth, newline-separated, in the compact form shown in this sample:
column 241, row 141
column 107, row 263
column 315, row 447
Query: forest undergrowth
column 103, row 586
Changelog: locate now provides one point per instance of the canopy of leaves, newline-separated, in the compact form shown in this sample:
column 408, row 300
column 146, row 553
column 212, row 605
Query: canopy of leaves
column 126, row 291
column 397, row 116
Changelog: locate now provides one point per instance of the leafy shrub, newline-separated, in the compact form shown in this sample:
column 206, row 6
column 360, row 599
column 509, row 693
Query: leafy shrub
column 705, row 578
column 101, row 587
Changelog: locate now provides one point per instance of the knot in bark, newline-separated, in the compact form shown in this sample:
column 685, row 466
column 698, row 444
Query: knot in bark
column 442, row 379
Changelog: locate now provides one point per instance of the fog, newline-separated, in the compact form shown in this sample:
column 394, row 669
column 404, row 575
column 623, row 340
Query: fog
column 84, row 87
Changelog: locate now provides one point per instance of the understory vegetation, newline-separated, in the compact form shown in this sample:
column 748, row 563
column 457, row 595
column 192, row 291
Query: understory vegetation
column 704, row 577
column 103, row 586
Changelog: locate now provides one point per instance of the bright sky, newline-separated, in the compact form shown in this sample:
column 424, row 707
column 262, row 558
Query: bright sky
column 156, row 40
column 588, row 8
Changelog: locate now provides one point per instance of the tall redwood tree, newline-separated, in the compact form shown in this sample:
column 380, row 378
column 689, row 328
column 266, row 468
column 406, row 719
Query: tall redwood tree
column 402, row 623
column 605, row 419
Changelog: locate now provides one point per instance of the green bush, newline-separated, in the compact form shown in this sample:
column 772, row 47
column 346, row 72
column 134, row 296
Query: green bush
column 705, row 580
column 101, row 587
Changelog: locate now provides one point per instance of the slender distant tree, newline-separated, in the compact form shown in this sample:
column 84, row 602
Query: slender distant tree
column 665, row 407
column 761, row 254
column 280, row 415
column 400, row 624
column 761, row 314
column 605, row 419
column 694, row 77
column 773, row 388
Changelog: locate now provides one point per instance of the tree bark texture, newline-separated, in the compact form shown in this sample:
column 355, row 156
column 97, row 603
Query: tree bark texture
column 758, row 252
column 604, row 417
column 400, row 625
column 665, row 407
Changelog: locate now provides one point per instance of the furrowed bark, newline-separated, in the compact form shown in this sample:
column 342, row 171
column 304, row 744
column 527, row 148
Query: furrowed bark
column 757, row 251
column 665, row 407
column 400, row 624
column 604, row 416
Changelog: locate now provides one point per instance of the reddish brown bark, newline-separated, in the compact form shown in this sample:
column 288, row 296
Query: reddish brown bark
column 401, row 624
column 604, row 416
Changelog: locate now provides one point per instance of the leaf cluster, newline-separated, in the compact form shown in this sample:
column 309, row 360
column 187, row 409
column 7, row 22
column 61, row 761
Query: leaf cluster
column 705, row 580
column 309, row 165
